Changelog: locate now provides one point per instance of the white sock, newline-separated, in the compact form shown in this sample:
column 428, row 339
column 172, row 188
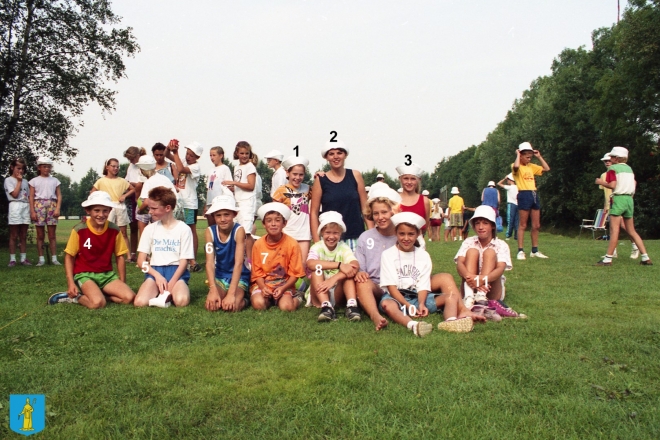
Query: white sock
column 634, row 247
column 607, row 259
column 53, row 258
column 351, row 303
column 326, row 304
column 12, row 257
column 645, row 257
column 23, row 257
column 411, row 325
column 42, row 259
column 468, row 291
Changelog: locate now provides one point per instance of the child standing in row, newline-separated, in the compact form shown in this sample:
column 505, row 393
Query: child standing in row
column 18, row 193
column 214, row 186
column 45, row 202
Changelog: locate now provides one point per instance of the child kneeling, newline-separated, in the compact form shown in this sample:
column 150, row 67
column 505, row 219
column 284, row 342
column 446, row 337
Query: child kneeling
column 169, row 243
column 88, row 259
column 227, row 276
column 276, row 262
column 330, row 282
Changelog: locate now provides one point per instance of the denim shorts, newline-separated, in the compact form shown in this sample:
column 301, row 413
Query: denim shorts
column 413, row 300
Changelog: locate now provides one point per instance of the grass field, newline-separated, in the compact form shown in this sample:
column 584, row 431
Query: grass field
column 585, row 365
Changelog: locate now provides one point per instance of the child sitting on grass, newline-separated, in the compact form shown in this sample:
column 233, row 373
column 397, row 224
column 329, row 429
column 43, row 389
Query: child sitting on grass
column 405, row 272
column 88, row 259
column 276, row 262
column 169, row 242
column 481, row 262
column 330, row 286
column 228, row 277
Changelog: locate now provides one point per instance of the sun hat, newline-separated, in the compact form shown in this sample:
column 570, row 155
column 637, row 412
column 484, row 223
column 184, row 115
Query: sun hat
column 43, row 160
column 146, row 162
column 606, row 157
column 274, row 206
column 275, row 154
column 435, row 200
column 413, row 169
column 338, row 145
column 483, row 211
column 408, row 217
column 330, row 217
column 425, row 193
column 292, row 161
column 454, row 190
column 380, row 176
column 619, row 152
column 196, row 148
column 381, row 189
column 101, row 198
column 221, row 202
column 510, row 177
column 525, row 146
column 491, row 183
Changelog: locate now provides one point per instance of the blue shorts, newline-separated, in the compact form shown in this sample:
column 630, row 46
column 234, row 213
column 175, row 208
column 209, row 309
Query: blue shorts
column 168, row 272
column 190, row 216
column 528, row 200
column 413, row 300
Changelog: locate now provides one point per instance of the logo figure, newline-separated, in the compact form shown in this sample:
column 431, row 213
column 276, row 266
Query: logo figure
column 27, row 413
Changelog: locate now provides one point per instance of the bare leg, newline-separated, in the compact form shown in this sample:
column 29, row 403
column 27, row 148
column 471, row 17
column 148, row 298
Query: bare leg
column 259, row 302
column 41, row 233
column 393, row 311
column 148, row 290
column 119, row 292
column 615, row 222
column 13, row 238
column 91, row 297
column 288, row 303
column 366, row 295
column 522, row 225
column 180, row 294
column 249, row 242
column 536, row 226
column 630, row 229
column 22, row 236
column 52, row 238
column 134, row 238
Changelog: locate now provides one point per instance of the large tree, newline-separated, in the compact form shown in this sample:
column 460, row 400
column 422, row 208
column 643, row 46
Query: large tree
column 56, row 57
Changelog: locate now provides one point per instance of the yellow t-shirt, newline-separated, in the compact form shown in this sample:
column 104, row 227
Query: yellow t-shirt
column 456, row 204
column 607, row 191
column 524, row 178
column 115, row 187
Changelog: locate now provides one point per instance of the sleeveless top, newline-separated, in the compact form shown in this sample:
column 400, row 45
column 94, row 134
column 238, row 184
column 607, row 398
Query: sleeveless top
column 490, row 197
column 418, row 208
column 167, row 172
column 225, row 255
column 344, row 198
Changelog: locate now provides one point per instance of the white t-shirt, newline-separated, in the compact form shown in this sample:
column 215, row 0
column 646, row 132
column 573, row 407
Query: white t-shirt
column 214, row 185
column 23, row 194
column 45, row 188
column 155, row 181
column 167, row 246
column 405, row 270
column 279, row 179
column 511, row 193
column 187, row 185
column 241, row 173
column 133, row 173
column 500, row 247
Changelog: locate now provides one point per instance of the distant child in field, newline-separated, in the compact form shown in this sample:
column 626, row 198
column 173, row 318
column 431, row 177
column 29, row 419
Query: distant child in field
column 481, row 262
column 18, row 217
column 529, row 204
column 621, row 180
column 511, row 206
column 330, row 286
column 276, row 262
column 405, row 273
column 274, row 160
column 467, row 215
column 437, row 215
column 228, row 277
column 214, row 180
column 169, row 243
column 455, row 214
column 45, row 203
column 88, row 259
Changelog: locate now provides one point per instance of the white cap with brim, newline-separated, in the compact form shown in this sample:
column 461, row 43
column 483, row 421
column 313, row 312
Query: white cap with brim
column 510, row 177
column 425, row 193
column 275, row 154
column 483, row 211
column 276, row 207
column 525, row 146
column 606, row 157
column 491, row 183
column 380, row 176
column 331, row 217
column 196, row 148
column 435, row 200
column 338, row 145
column 381, row 189
column 221, row 202
column 410, row 218
column 619, row 152
column 412, row 169
column 454, row 190
column 146, row 163
column 99, row 198
column 292, row 161
column 43, row 160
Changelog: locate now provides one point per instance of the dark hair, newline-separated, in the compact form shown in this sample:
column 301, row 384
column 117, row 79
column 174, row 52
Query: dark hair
column 158, row 147
column 419, row 231
column 107, row 162
column 17, row 161
column 165, row 196
column 242, row 144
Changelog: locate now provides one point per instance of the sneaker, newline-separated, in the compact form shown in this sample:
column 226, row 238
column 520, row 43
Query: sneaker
column 163, row 300
column 462, row 325
column 62, row 297
column 521, row 255
column 26, row 262
column 646, row 263
column 353, row 314
column 505, row 312
column 40, row 263
column 469, row 302
column 55, row 263
column 634, row 254
column 537, row 255
column 422, row 329
column 195, row 267
column 480, row 298
column 487, row 312
column 11, row 264
column 604, row 263
column 327, row 314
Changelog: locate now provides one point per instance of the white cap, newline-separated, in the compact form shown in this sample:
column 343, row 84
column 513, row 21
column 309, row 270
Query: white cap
column 381, row 189
column 510, row 177
column 413, row 169
column 454, row 190
column 221, row 202
column 275, row 154
column 146, row 162
column 491, row 183
column 525, row 146
column 380, row 176
column 196, row 148
column 274, row 206
column 483, row 211
column 333, row 146
column 619, row 152
column 400, row 190
column 409, row 217
column 425, row 193
column 43, row 160
column 331, row 217
column 435, row 200
column 99, row 198
column 292, row 161
column 606, row 157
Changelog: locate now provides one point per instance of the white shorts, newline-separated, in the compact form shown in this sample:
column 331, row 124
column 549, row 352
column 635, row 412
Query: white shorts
column 246, row 213
column 119, row 215
column 19, row 213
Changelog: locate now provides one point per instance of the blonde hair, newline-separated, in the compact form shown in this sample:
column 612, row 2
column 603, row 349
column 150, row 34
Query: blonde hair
column 418, row 188
column 368, row 212
column 254, row 159
column 147, row 173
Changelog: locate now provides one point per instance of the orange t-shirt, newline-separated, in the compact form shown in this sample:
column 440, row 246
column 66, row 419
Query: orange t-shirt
column 276, row 262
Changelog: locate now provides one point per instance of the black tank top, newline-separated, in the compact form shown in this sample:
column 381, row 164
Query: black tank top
column 344, row 198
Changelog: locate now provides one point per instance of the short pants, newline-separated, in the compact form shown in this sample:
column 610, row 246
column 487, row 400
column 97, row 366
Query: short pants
column 254, row 289
column 190, row 216
column 119, row 215
column 623, row 205
column 412, row 298
column 246, row 214
column 45, row 210
column 436, row 222
column 243, row 283
column 168, row 272
column 101, row 279
column 19, row 213
column 456, row 220
column 528, row 199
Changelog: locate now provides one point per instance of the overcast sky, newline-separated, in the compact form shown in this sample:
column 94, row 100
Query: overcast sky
column 425, row 78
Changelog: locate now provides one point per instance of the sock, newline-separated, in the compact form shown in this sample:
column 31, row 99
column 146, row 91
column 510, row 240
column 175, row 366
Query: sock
column 23, row 257
column 12, row 257
column 53, row 258
column 468, row 290
column 453, row 318
column 645, row 257
column 634, row 247
column 535, row 249
column 411, row 325
column 607, row 259
column 326, row 304
column 351, row 303
column 521, row 250
column 42, row 259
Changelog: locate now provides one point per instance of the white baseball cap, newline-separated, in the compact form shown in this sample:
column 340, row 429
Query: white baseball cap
column 196, row 148
column 292, row 161
column 381, row 189
column 99, row 198
column 491, row 183
column 619, row 152
column 146, row 162
column 412, row 169
column 275, row 154
column 483, row 211
column 331, row 217
column 525, row 146
column 274, row 206
column 43, row 160
column 454, row 190
column 410, row 218
column 338, row 145
column 606, row 157
column 221, row 202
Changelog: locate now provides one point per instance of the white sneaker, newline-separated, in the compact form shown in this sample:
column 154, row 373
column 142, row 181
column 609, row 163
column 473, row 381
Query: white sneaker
column 634, row 254
column 613, row 255
column 537, row 255
column 521, row 255
column 161, row 300
column 55, row 263
column 469, row 302
column 40, row 263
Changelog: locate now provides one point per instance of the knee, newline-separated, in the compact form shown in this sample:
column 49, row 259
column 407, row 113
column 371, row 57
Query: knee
column 489, row 254
column 470, row 255
column 258, row 302
column 96, row 303
column 140, row 301
column 389, row 306
column 181, row 300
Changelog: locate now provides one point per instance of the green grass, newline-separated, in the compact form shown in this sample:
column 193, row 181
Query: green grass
column 585, row 365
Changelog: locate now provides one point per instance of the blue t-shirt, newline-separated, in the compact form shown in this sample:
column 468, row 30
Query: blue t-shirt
column 225, row 255
column 490, row 197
